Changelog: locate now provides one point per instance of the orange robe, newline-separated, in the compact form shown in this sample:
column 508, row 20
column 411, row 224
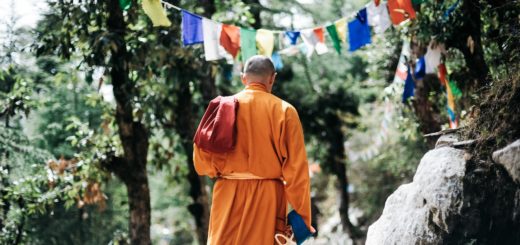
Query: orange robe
column 269, row 144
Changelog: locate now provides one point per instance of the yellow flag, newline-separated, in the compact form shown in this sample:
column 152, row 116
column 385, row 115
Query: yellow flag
column 265, row 42
column 155, row 11
column 341, row 28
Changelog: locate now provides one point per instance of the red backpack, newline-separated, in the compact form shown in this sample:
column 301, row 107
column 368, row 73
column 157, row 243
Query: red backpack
column 217, row 130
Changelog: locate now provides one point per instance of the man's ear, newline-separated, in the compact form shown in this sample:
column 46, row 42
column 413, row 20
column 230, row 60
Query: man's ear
column 273, row 78
column 243, row 78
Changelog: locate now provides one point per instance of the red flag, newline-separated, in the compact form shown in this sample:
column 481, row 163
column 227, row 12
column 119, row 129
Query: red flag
column 400, row 10
column 377, row 2
column 319, row 34
column 230, row 39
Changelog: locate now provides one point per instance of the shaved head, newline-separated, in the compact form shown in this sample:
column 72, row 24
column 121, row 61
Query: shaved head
column 259, row 66
column 259, row 69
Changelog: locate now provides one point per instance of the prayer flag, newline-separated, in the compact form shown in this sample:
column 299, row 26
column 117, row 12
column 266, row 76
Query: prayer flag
column 265, row 42
column 292, row 36
column 341, row 29
column 409, row 86
column 125, row 4
column 455, row 89
column 442, row 74
column 378, row 17
column 310, row 40
column 211, row 32
column 400, row 10
column 321, row 47
column 191, row 28
column 333, row 34
column 359, row 31
column 450, row 10
column 420, row 69
column 376, row 2
column 155, row 12
column 277, row 61
column 230, row 39
column 433, row 56
column 402, row 69
column 247, row 43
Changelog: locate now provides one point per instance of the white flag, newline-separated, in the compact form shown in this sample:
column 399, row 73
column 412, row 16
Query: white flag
column 432, row 57
column 212, row 48
column 378, row 17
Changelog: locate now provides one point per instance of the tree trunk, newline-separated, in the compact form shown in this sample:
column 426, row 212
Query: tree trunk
column 336, row 156
column 470, row 32
column 131, row 169
column 186, row 128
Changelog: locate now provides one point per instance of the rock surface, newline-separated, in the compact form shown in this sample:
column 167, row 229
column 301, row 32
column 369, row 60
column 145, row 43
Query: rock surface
column 509, row 157
column 421, row 212
column 446, row 140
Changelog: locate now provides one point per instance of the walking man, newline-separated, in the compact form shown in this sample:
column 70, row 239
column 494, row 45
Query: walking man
column 266, row 170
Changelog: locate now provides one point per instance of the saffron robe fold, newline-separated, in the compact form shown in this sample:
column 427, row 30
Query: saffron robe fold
column 270, row 145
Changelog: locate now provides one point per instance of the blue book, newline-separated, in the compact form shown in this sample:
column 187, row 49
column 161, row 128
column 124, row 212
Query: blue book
column 300, row 230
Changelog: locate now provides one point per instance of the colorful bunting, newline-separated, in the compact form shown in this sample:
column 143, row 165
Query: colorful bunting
column 292, row 36
column 247, row 43
column 125, row 4
column 359, row 31
column 230, row 39
column 443, row 77
column 155, row 12
column 333, row 34
column 341, row 29
column 378, row 17
column 400, row 10
column 265, row 42
column 211, row 32
column 191, row 28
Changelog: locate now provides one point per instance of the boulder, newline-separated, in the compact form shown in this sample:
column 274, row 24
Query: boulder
column 509, row 157
column 422, row 212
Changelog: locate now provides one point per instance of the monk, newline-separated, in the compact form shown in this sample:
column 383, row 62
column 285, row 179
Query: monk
column 266, row 171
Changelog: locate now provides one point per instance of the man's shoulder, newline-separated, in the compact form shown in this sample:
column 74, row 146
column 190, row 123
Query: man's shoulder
column 285, row 106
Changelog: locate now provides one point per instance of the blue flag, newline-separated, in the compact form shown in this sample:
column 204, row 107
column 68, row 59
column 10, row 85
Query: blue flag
column 409, row 86
column 359, row 31
column 191, row 28
column 277, row 61
column 420, row 68
column 293, row 36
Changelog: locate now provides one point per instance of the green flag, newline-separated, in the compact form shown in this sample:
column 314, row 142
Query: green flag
column 333, row 33
column 125, row 4
column 455, row 90
column 247, row 43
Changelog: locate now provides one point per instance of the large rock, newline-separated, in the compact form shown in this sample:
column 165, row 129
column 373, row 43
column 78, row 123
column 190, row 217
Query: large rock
column 421, row 212
column 509, row 157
